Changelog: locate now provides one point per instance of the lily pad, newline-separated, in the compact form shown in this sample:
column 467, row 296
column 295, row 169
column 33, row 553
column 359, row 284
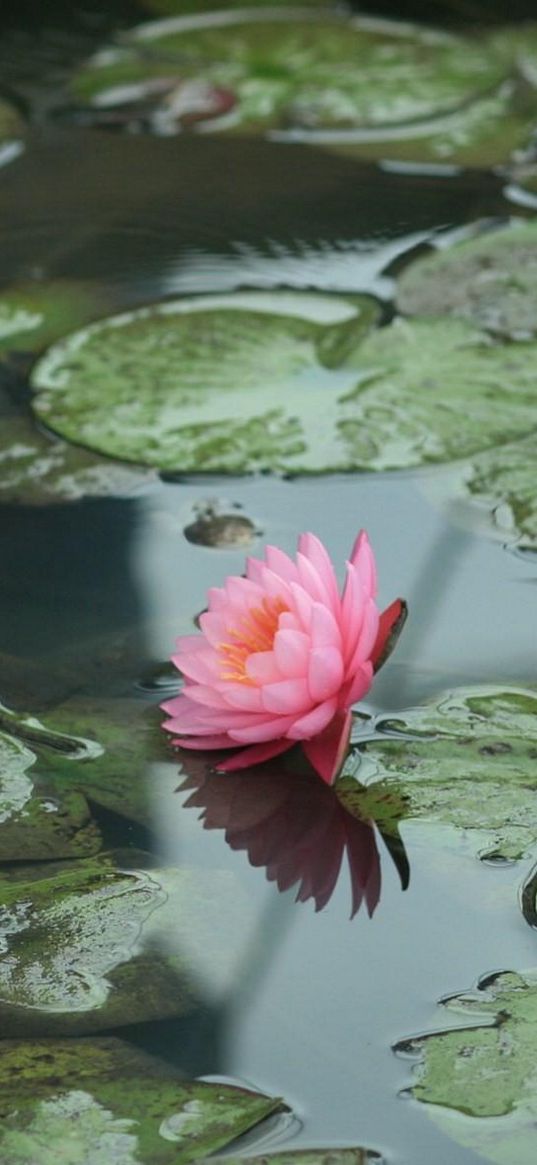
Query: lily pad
column 105, row 1101
column 39, row 820
column 102, row 747
column 216, row 384
column 504, row 482
column 93, row 948
column 466, row 760
column 490, row 280
column 38, row 469
column 355, row 1156
column 301, row 72
column 227, row 383
column 33, row 314
column 479, row 1081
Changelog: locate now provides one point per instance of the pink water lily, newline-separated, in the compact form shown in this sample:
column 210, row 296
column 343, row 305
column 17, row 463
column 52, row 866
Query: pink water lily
column 282, row 657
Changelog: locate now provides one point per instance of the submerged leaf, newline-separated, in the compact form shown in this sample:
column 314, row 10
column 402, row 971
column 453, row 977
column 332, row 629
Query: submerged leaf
column 39, row 820
column 33, row 314
column 465, row 760
column 105, row 1101
column 91, row 947
column 479, row 1082
column 490, row 280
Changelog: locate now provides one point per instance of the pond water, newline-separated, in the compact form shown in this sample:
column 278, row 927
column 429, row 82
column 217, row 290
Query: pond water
column 308, row 1005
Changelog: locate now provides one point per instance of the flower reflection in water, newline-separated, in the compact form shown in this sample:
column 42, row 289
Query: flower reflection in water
column 299, row 828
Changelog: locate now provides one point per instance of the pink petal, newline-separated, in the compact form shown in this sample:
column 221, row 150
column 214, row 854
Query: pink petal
column 271, row 729
column 291, row 652
column 202, row 666
column 281, row 564
column 352, row 611
column 191, row 643
column 171, row 706
column 362, row 558
column 366, row 638
column 303, row 605
column 242, row 593
column 254, row 755
column 289, row 622
column 287, row 697
column 313, row 722
column 261, row 667
column 312, row 548
column 325, row 673
column 204, row 742
column 216, row 598
column 327, row 751
column 254, row 569
column 242, row 696
column 215, row 626
column 205, row 695
column 311, row 580
column 324, row 628
column 359, row 685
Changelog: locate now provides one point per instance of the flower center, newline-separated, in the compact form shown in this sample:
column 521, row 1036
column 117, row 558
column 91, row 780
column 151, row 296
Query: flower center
column 254, row 632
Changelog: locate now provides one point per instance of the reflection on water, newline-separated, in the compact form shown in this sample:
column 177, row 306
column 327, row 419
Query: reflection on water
column 295, row 826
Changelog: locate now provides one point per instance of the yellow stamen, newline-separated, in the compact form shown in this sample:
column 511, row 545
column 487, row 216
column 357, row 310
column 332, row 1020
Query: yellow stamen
column 254, row 632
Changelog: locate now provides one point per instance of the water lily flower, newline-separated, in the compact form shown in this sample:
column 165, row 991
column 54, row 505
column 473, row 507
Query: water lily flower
column 282, row 657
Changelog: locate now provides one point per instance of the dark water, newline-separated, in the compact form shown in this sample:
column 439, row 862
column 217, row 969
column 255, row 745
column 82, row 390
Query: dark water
column 310, row 1003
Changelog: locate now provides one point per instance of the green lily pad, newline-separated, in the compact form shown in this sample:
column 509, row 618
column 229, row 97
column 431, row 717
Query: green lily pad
column 34, row 314
column 479, row 1082
column 39, row 820
column 302, row 72
column 355, row 1156
column 466, row 760
column 490, row 280
column 228, row 383
column 504, row 482
column 92, row 948
column 101, row 747
column 213, row 385
column 39, row 469
column 102, row 1100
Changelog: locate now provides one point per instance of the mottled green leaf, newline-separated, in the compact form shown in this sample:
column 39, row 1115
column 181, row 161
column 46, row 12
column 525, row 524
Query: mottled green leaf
column 103, row 747
column 91, row 948
column 102, row 1100
column 466, row 760
column 309, row 73
column 211, row 384
column 418, row 378
column 490, row 280
column 479, row 1081
column 234, row 383
column 348, row 1156
column 38, row 469
column 38, row 819
column 504, row 483
column 34, row 314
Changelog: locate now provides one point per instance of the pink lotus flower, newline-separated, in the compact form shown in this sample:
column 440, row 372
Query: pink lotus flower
column 282, row 657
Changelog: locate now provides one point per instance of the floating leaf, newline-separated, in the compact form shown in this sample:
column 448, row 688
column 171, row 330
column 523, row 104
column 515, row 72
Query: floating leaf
column 105, row 1101
column 465, row 760
column 38, row 469
column 479, row 1081
column 505, row 482
column 211, row 384
column 302, row 73
column 227, row 383
column 102, row 747
column 33, row 314
column 39, row 820
column 311, row 1157
column 490, row 280
column 92, row 948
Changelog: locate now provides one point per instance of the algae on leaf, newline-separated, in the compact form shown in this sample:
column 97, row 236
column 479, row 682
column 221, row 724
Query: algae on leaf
column 504, row 481
column 466, row 760
column 91, row 948
column 479, row 1081
column 490, row 279
column 105, row 1101
column 39, row 820
column 337, row 1156
column 285, row 382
